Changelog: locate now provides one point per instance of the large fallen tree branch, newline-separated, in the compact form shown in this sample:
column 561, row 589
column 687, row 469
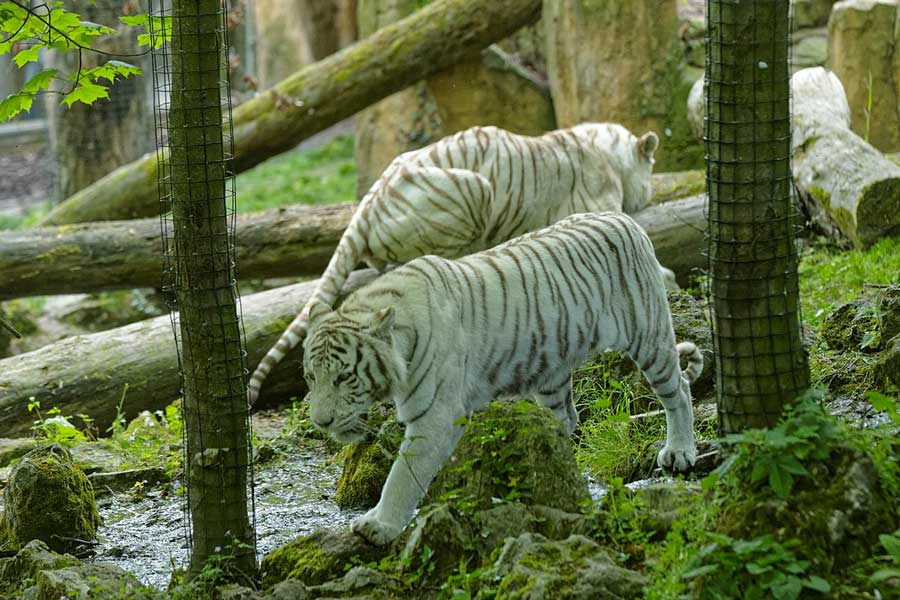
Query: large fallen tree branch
column 88, row 374
column 439, row 35
column 290, row 242
column 846, row 186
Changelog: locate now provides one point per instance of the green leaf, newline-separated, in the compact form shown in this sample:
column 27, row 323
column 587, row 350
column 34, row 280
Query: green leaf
column 705, row 569
column 780, row 481
column 884, row 574
column 891, row 543
column 39, row 82
column 86, row 93
column 817, row 583
column 10, row 107
column 28, row 55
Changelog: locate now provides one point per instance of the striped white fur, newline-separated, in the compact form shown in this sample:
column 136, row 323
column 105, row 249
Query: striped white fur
column 442, row 338
column 473, row 190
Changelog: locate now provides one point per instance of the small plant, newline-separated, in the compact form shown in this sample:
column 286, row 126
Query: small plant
column 891, row 543
column 751, row 569
column 53, row 427
column 776, row 455
column 869, row 102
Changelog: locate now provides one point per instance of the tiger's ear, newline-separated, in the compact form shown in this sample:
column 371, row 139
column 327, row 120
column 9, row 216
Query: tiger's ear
column 647, row 145
column 317, row 310
column 383, row 323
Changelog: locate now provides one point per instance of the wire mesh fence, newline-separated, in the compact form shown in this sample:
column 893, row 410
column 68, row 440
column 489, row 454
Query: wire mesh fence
column 752, row 217
column 197, row 196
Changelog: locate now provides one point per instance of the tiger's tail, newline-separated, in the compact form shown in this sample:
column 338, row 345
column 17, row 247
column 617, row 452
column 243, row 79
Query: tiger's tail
column 349, row 252
column 689, row 352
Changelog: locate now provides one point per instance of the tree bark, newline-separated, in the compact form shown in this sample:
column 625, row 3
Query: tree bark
column 846, row 186
column 610, row 60
column 760, row 362
column 89, row 141
column 863, row 39
column 87, row 374
column 294, row 241
column 318, row 96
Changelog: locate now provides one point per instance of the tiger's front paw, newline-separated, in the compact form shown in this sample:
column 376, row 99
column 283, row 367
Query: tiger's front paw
column 375, row 530
column 677, row 459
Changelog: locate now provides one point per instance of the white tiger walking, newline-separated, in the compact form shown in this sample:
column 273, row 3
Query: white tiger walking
column 473, row 190
column 442, row 338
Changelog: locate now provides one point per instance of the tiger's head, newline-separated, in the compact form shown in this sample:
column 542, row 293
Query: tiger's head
column 348, row 366
column 629, row 156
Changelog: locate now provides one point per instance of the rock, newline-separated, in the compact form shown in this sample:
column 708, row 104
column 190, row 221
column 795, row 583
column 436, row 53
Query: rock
column 696, row 111
column 495, row 89
column 889, row 307
column 623, row 62
column 439, row 538
column 810, row 50
column 292, row 589
column 13, row 448
column 359, row 582
column 513, row 451
column 33, row 558
column 366, row 467
column 863, row 324
column 97, row 581
column 811, row 13
column 886, row 369
column 865, row 55
column 838, row 511
column 316, row 558
column 531, row 567
column 50, row 499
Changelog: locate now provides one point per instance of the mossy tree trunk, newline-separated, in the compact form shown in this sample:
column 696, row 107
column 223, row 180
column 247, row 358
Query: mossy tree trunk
column 760, row 362
column 441, row 34
column 215, row 407
column 90, row 141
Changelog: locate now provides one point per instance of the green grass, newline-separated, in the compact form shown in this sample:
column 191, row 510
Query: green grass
column 830, row 276
column 323, row 175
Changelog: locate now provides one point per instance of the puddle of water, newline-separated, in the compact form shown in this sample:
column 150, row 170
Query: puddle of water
column 294, row 496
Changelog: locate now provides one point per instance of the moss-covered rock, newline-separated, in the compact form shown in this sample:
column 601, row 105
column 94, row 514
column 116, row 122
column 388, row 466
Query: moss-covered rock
column 886, row 369
column 316, row 558
column 96, row 581
column 20, row 571
column 513, row 451
column 366, row 467
column 530, row 567
column 838, row 512
column 50, row 499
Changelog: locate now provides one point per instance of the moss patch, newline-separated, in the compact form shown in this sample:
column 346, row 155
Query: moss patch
column 513, row 451
column 366, row 467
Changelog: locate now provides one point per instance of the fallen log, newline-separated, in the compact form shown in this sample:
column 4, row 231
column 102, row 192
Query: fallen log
column 88, row 374
column 678, row 232
column 844, row 183
column 846, row 187
column 439, row 35
column 292, row 241
column 287, row 242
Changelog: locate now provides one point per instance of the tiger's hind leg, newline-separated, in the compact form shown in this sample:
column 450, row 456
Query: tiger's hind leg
column 661, row 368
column 561, row 401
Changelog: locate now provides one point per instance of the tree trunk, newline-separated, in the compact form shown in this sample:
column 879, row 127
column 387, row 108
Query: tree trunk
column 291, row 242
column 760, row 363
column 846, row 186
column 864, row 52
column 216, row 415
column 320, row 95
column 610, row 60
column 90, row 141
column 88, row 374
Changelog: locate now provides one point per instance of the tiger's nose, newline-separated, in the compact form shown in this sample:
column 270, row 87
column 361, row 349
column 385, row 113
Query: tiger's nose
column 321, row 424
column 321, row 417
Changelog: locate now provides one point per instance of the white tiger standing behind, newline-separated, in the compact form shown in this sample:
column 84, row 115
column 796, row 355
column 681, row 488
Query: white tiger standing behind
column 473, row 190
column 442, row 338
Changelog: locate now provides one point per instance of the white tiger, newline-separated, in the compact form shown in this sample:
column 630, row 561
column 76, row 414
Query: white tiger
column 473, row 190
column 442, row 338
